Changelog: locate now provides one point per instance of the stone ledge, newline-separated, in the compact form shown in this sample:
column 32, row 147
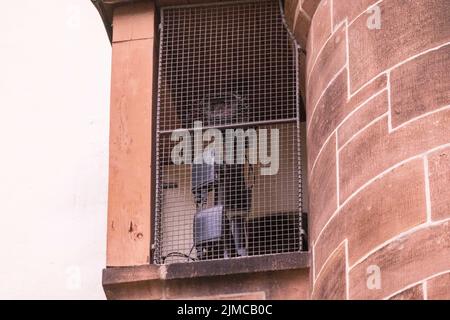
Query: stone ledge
column 106, row 8
column 215, row 268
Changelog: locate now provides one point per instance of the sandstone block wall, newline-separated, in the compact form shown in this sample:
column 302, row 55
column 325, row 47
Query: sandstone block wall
column 376, row 82
column 377, row 87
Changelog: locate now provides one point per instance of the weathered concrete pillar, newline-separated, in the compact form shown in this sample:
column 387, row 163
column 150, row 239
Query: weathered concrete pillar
column 130, row 170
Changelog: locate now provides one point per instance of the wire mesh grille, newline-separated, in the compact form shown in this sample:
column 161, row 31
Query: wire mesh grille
column 228, row 134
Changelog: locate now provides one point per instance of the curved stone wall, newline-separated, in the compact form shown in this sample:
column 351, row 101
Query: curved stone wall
column 377, row 83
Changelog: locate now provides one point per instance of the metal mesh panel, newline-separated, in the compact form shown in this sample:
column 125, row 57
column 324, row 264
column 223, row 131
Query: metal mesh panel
column 230, row 67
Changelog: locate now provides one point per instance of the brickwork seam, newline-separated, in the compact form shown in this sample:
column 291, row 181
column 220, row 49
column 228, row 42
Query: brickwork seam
column 308, row 76
column 349, row 268
column 424, row 155
column 337, row 172
column 412, row 120
column 423, row 282
column 370, row 182
column 313, row 263
column 424, row 115
column 427, row 187
column 387, row 72
column 379, row 176
column 347, row 271
column 315, row 277
column 425, row 290
column 411, row 58
column 358, row 16
column 134, row 39
column 339, row 25
column 347, row 57
column 371, row 123
column 299, row 10
column 338, row 73
column 408, row 232
column 359, row 107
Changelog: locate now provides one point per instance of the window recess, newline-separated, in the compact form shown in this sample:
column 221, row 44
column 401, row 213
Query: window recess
column 229, row 164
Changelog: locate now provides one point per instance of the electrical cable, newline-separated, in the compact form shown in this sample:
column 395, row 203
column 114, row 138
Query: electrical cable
column 178, row 254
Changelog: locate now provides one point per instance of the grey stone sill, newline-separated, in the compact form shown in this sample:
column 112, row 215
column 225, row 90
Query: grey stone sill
column 213, row 268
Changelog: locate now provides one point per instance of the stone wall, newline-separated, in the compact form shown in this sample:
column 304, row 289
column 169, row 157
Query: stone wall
column 134, row 62
column 377, row 83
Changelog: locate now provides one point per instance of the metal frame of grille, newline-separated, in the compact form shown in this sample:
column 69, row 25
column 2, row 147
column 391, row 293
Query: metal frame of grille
column 228, row 66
